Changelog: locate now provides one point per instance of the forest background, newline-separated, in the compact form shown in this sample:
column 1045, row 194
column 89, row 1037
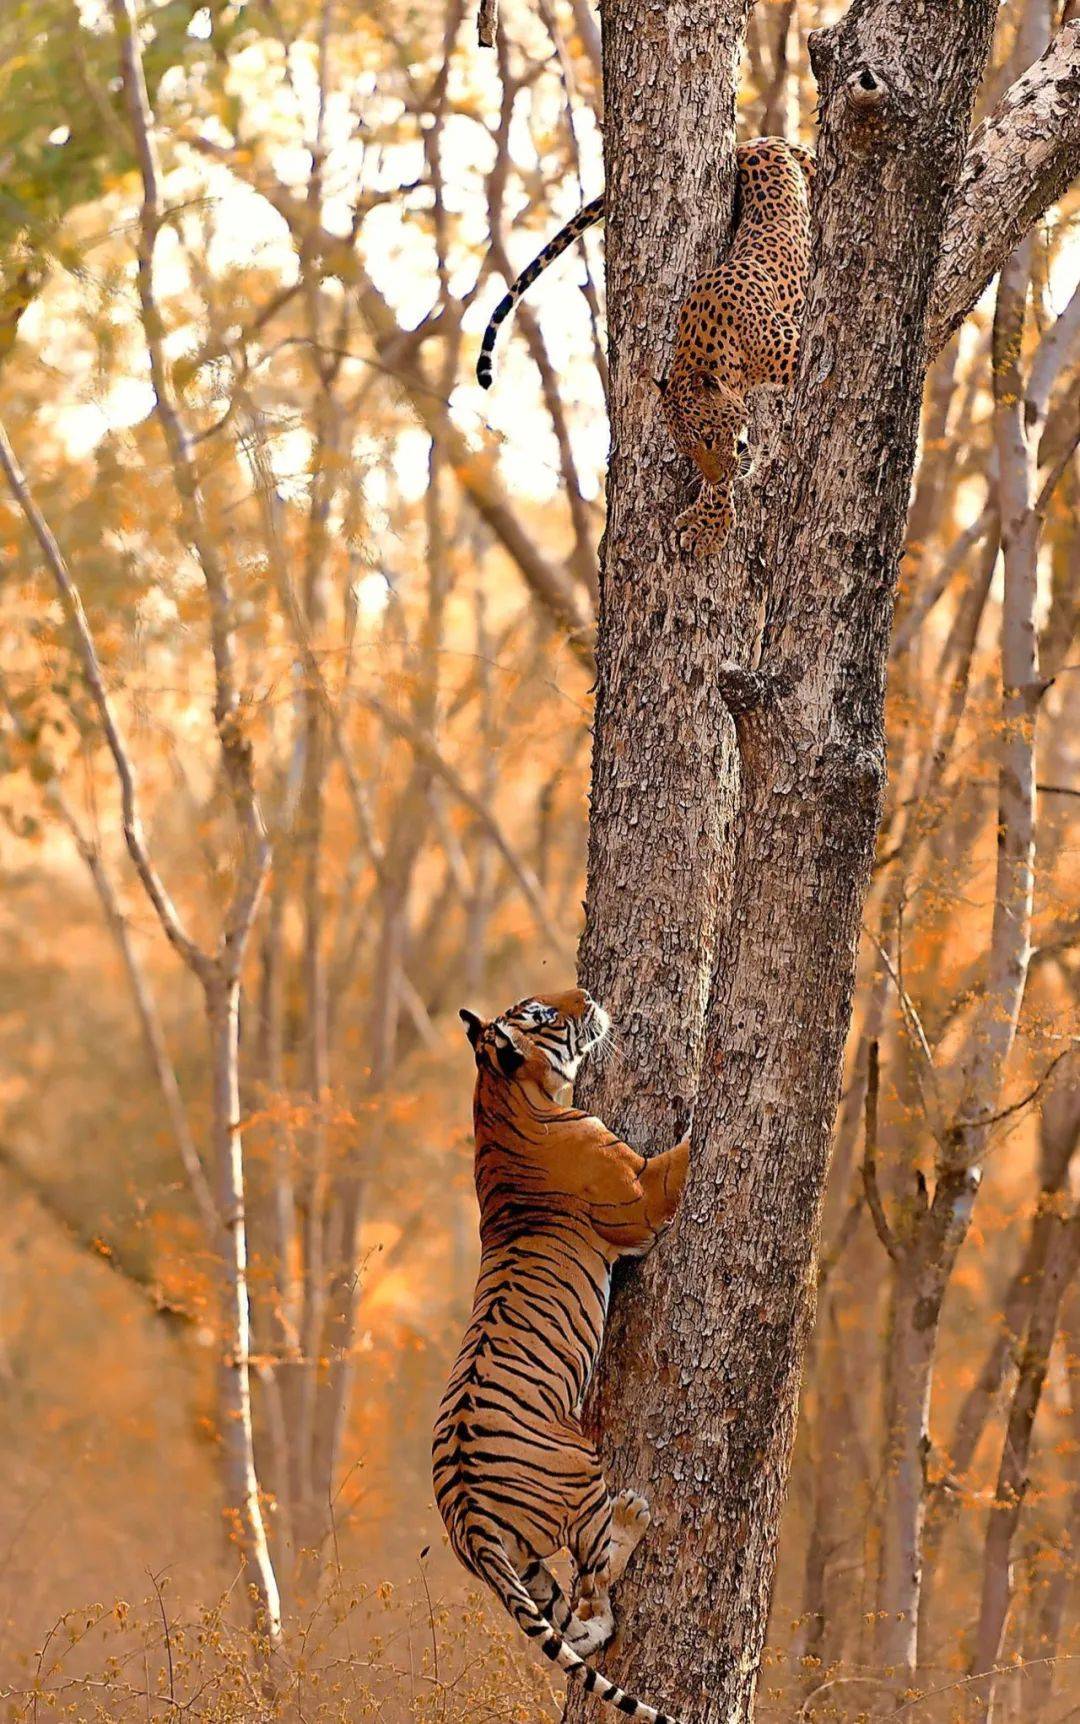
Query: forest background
column 340, row 603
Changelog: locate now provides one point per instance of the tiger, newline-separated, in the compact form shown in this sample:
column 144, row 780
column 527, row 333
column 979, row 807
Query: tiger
column 561, row 1199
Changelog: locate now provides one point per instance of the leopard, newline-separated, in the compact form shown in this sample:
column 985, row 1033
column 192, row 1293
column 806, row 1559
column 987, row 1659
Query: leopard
column 737, row 332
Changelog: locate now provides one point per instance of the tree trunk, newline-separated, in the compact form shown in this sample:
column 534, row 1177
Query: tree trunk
column 664, row 763
column 908, row 1373
column 243, row 1498
column 698, row 1398
column 1061, row 1265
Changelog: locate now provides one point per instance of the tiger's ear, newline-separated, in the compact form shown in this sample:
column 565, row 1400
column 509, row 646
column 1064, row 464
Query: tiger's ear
column 507, row 1054
column 473, row 1025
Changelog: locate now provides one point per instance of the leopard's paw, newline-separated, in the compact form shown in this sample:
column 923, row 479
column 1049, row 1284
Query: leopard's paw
column 704, row 527
column 704, row 532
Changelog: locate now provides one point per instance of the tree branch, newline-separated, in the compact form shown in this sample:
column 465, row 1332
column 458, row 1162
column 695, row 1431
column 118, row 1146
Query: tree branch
column 236, row 752
column 473, row 469
column 869, row 1168
column 155, row 890
column 426, row 749
column 1019, row 162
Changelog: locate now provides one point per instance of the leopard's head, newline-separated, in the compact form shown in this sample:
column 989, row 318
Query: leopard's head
column 707, row 421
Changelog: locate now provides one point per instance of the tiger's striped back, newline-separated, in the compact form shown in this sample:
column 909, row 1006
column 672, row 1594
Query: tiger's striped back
column 522, row 1372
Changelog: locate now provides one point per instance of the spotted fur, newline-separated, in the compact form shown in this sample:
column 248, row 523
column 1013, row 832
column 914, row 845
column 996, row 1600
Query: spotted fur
column 561, row 1199
column 738, row 329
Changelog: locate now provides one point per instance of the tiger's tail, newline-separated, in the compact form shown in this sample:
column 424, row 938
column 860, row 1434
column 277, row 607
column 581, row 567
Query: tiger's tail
column 490, row 1561
column 592, row 212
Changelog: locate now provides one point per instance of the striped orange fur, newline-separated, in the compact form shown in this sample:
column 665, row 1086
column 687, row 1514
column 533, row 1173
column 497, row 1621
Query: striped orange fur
column 561, row 1199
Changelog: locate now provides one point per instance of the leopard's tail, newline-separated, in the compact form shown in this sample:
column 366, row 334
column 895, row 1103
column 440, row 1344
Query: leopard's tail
column 490, row 1561
column 592, row 212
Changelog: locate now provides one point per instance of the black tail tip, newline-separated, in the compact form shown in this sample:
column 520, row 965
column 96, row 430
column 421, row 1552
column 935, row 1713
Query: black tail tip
column 483, row 373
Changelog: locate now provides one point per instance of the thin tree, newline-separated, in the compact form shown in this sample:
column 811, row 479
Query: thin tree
column 217, row 970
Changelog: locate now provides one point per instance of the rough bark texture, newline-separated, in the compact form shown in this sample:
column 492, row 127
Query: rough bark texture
column 698, row 1400
column 1019, row 162
column 659, row 836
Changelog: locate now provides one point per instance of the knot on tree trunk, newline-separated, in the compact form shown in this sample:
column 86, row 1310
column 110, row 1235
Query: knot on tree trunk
column 744, row 691
column 866, row 90
column 873, row 93
column 851, row 782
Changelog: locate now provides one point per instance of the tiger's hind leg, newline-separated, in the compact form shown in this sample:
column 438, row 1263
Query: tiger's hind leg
column 602, row 1546
column 589, row 1538
column 549, row 1598
column 627, row 1518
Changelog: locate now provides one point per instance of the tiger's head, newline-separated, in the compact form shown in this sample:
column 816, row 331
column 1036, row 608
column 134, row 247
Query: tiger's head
column 543, row 1039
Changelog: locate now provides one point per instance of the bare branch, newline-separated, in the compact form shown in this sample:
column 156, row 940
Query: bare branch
column 474, row 470
column 168, row 916
column 869, row 1168
column 426, row 749
column 1056, row 351
column 312, row 669
column 586, row 27
column 1019, row 162
column 235, row 749
column 984, row 1120
column 929, row 594
column 982, row 1064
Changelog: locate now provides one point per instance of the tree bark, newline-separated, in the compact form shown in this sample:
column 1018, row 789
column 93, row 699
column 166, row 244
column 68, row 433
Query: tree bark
column 698, row 1396
column 660, row 848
